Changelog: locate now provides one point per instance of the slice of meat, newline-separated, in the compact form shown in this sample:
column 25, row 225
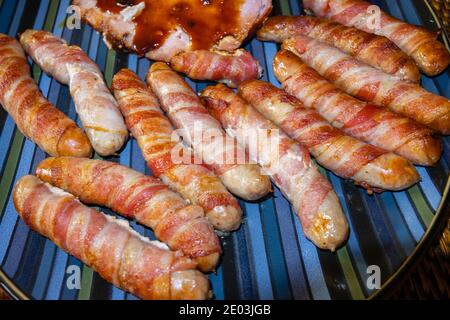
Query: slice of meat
column 162, row 29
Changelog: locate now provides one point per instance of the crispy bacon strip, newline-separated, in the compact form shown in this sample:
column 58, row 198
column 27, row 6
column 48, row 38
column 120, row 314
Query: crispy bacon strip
column 96, row 107
column 288, row 164
column 422, row 45
column 145, row 268
column 372, row 85
column 137, row 196
column 377, row 51
column 231, row 68
column 205, row 134
column 346, row 156
column 35, row 117
column 367, row 122
column 161, row 146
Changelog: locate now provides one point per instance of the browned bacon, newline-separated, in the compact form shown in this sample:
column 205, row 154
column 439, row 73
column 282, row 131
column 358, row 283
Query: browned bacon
column 35, row 117
column 288, row 164
column 205, row 134
column 137, row 196
column 230, row 68
column 377, row 51
column 346, row 156
column 372, row 85
column 161, row 147
column 422, row 45
column 120, row 255
column 367, row 122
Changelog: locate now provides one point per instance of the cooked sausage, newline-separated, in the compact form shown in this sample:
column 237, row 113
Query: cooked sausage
column 231, row 68
column 422, row 45
column 34, row 116
column 96, row 107
column 367, row 122
column 160, row 145
column 372, row 85
column 121, row 256
column 137, row 196
column 347, row 157
column 377, row 51
column 205, row 134
column 288, row 164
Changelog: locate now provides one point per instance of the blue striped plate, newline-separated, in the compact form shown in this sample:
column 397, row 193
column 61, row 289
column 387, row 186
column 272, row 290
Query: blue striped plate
column 269, row 257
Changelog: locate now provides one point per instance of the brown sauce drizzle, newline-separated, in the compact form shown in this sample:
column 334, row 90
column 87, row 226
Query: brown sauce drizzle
column 205, row 21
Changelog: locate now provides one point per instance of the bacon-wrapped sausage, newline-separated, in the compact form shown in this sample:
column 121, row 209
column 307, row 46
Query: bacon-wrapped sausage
column 139, row 197
column 367, row 122
column 155, row 136
column 377, row 51
column 289, row 165
column 429, row 54
column 145, row 268
column 35, row 117
column 369, row 166
column 372, row 85
column 231, row 68
column 205, row 134
column 96, row 107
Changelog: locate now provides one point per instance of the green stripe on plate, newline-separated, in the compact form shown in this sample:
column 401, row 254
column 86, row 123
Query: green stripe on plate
column 51, row 15
column 350, row 274
column 110, row 64
column 86, row 283
column 285, row 8
column 421, row 205
column 10, row 168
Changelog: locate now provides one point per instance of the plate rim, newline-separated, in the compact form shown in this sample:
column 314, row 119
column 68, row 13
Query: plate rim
column 433, row 231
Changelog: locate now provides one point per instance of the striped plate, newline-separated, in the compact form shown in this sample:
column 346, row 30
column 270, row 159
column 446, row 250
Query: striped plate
column 269, row 257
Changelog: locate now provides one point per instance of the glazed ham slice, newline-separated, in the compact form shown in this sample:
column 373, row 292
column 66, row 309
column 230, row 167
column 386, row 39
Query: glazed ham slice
column 231, row 68
column 136, row 196
column 205, row 134
column 372, row 85
column 422, row 45
column 95, row 105
column 163, row 151
column 377, row 51
column 120, row 28
column 367, row 122
column 349, row 158
column 35, row 117
column 288, row 164
column 108, row 245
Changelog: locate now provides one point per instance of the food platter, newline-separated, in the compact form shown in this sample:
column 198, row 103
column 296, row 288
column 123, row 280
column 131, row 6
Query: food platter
column 269, row 257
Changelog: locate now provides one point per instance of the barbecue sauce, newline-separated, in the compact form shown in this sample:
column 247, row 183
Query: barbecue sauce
column 205, row 21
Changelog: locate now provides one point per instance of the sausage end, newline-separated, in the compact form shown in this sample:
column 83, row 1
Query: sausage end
column 189, row 285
